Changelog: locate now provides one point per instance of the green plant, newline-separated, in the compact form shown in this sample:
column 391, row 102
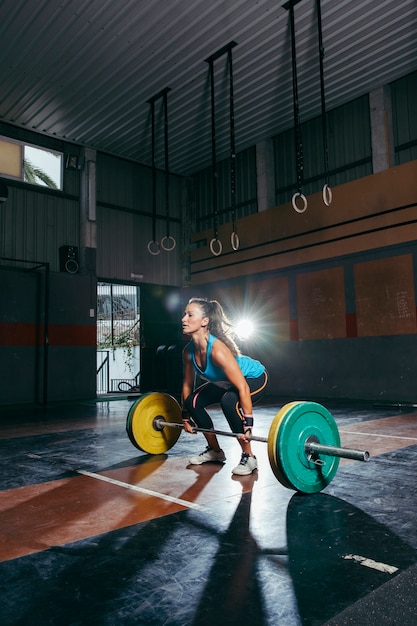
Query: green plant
column 123, row 340
column 34, row 175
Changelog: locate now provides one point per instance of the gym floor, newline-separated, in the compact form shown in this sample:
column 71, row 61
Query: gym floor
column 94, row 531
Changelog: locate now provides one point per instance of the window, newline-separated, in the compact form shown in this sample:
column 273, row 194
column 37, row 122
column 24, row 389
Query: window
column 31, row 164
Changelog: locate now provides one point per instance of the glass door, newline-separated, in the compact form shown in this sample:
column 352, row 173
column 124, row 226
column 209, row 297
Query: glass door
column 118, row 338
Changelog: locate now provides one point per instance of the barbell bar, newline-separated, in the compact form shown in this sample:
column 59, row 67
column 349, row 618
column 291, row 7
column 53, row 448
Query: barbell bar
column 300, row 435
column 312, row 445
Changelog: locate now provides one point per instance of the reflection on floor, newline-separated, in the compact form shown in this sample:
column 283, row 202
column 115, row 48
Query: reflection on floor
column 96, row 532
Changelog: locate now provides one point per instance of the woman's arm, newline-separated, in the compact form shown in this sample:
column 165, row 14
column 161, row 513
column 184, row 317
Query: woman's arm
column 187, row 385
column 188, row 374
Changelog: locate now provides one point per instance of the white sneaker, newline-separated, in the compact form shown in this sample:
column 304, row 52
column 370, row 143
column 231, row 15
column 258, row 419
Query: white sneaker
column 247, row 465
column 209, row 455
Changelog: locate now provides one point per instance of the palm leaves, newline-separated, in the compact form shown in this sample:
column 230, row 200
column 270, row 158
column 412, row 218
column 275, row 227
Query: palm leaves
column 36, row 176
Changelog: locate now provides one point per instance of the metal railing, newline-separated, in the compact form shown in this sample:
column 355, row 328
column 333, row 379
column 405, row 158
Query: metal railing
column 103, row 373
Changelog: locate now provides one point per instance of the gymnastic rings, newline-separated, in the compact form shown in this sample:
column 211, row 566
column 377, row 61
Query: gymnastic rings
column 219, row 246
column 168, row 239
column 300, row 195
column 327, row 195
column 234, row 240
column 154, row 248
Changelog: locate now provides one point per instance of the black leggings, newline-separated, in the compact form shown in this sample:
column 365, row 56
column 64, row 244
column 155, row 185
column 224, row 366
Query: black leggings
column 228, row 397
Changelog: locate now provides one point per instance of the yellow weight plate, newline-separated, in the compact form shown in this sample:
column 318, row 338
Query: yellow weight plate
column 140, row 423
column 272, row 444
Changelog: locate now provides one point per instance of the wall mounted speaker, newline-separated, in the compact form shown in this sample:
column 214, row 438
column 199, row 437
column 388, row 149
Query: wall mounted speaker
column 68, row 259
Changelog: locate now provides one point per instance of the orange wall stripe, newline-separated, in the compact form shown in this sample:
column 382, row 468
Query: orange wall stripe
column 21, row 334
column 64, row 335
column 14, row 334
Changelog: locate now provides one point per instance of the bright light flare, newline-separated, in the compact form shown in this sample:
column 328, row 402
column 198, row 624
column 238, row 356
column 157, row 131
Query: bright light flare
column 244, row 328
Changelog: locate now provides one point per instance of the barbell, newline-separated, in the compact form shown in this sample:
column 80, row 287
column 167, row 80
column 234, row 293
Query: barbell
column 303, row 440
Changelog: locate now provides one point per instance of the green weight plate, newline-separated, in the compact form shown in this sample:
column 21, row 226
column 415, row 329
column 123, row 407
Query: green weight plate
column 140, row 422
column 297, row 423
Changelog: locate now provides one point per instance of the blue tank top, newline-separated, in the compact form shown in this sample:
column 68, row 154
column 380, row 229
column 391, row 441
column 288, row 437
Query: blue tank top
column 250, row 368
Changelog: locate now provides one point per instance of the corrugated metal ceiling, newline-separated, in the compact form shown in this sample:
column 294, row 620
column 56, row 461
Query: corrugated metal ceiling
column 84, row 70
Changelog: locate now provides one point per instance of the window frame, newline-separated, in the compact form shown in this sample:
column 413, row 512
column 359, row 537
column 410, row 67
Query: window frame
column 21, row 178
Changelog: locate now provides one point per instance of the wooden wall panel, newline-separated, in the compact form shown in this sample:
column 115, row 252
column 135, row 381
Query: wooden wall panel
column 264, row 302
column 365, row 214
column 270, row 309
column 385, row 298
column 321, row 304
column 231, row 297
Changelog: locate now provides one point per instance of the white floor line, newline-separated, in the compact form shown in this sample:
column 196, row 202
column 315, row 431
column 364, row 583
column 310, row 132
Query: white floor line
column 363, row 434
column 363, row 560
column 148, row 492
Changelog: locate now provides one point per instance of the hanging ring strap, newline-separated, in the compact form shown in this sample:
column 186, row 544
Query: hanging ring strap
column 214, row 169
column 327, row 192
column 234, row 239
column 153, row 245
column 168, row 242
column 299, row 157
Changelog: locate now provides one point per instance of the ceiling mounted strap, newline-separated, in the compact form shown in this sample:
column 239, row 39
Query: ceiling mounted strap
column 299, row 201
column 327, row 193
column 234, row 236
column 168, row 242
column 153, row 245
column 216, row 246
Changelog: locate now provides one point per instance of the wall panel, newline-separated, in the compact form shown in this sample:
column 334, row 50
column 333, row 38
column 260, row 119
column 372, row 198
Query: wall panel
column 246, row 191
column 348, row 151
column 122, row 249
column 35, row 224
column 128, row 185
column 404, row 114
column 69, row 356
column 321, row 304
column 268, row 304
column 127, row 222
column 385, row 297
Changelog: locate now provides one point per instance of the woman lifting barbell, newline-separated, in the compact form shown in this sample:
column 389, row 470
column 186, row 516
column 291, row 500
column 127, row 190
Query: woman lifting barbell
column 234, row 380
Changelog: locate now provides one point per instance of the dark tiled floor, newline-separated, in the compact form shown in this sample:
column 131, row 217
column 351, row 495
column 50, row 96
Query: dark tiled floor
column 96, row 532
